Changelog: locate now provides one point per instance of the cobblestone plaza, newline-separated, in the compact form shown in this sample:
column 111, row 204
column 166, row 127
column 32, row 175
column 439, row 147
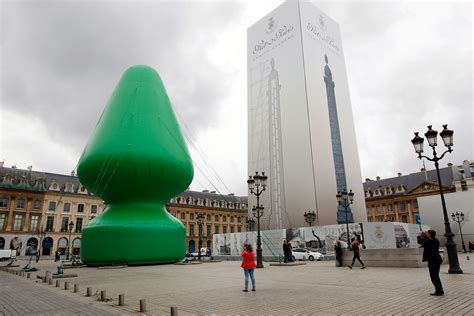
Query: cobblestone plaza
column 317, row 288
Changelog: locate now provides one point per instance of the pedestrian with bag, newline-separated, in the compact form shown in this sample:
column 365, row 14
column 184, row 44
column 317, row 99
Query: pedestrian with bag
column 248, row 264
column 430, row 245
column 355, row 248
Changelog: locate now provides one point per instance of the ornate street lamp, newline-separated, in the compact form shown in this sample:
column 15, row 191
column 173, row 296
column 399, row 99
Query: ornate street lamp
column 309, row 217
column 250, row 221
column 459, row 218
column 432, row 138
column 200, row 221
column 69, row 243
column 257, row 184
column 346, row 199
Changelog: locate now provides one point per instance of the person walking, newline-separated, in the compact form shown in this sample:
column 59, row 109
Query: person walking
column 338, row 251
column 57, row 256
column 355, row 248
column 37, row 255
column 286, row 251
column 430, row 245
column 248, row 264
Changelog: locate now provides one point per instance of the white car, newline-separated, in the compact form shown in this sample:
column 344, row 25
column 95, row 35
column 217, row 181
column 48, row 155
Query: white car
column 305, row 254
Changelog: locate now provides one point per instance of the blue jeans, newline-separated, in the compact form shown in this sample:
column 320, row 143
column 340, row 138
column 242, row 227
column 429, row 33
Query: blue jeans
column 249, row 272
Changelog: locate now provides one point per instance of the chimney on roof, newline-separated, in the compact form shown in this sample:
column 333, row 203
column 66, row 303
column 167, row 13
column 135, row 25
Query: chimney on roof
column 367, row 180
column 205, row 191
column 213, row 192
column 231, row 194
column 399, row 174
column 73, row 173
column 378, row 178
column 422, row 169
column 2, row 163
column 450, row 164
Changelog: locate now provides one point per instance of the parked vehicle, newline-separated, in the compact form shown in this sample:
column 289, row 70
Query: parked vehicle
column 305, row 254
column 7, row 254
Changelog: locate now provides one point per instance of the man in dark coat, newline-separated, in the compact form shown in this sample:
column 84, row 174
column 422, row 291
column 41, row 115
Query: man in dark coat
column 286, row 251
column 355, row 248
column 431, row 254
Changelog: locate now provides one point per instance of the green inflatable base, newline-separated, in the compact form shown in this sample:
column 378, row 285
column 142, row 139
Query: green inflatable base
column 151, row 236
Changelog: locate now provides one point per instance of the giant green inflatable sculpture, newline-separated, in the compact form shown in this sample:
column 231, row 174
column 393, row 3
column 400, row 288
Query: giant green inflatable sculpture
column 136, row 160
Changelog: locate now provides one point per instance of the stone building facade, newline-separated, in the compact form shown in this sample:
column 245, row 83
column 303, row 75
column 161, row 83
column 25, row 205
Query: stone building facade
column 396, row 199
column 50, row 211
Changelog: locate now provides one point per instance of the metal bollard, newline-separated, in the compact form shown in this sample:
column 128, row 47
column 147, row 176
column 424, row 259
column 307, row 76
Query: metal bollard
column 28, row 275
column 66, row 285
column 142, row 306
column 103, row 296
column 50, row 282
column 89, row 291
column 58, row 283
column 174, row 311
column 121, row 299
column 76, row 288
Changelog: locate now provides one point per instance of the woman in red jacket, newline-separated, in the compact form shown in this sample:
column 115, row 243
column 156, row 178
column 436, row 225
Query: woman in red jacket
column 248, row 264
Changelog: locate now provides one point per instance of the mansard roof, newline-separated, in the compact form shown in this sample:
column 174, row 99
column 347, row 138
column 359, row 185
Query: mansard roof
column 12, row 178
column 214, row 196
column 413, row 180
column 26, row 180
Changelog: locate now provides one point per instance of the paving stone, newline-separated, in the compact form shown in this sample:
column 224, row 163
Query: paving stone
column 317, row 288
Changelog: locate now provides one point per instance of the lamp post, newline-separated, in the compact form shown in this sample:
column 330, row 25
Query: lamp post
column 346, row 199
column 432, row 138
column 309, row 217
column 42, row 234
column 200, row 221
column 459, row 218
column 257, row 184
column 69, row 243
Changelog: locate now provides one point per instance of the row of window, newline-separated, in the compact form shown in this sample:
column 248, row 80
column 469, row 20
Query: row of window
column 401, row 207
column 209, row 217
column 18, row 222
column 216, row 230
column 388, row 190
column 211, row 203
column 67, row 207
column 403, row 219
column 21, row 204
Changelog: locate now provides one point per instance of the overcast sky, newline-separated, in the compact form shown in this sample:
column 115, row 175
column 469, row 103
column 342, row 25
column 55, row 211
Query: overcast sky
column 408, row 65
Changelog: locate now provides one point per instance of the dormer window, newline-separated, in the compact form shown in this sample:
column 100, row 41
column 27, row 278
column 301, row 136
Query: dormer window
column 69, row 187
column 82, row 190
column 388, row 190
column 54, row 186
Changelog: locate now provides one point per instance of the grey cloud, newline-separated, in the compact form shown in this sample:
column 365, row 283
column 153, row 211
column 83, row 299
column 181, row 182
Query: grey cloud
column 62, row 60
